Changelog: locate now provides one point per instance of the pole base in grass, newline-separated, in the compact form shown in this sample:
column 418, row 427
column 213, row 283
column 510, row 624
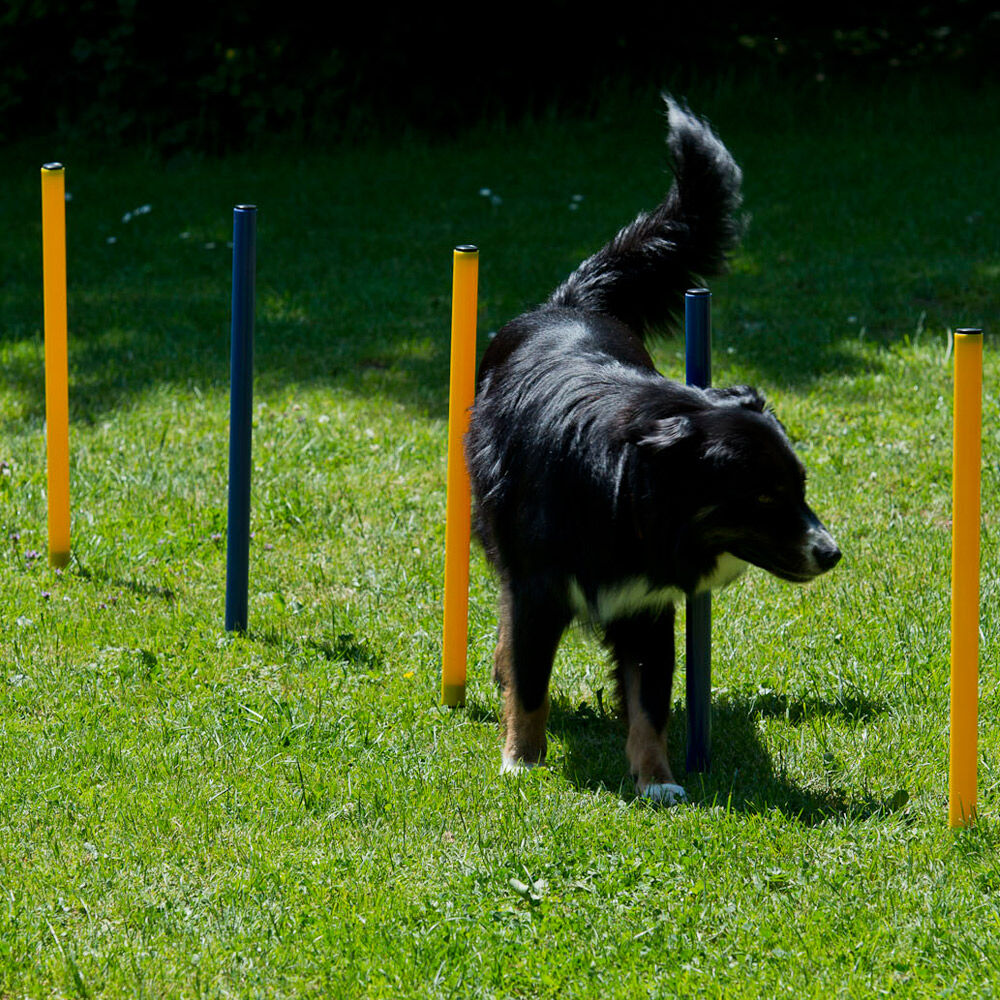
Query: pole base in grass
column 59, row 560
column 959, row 818
column 453, row 695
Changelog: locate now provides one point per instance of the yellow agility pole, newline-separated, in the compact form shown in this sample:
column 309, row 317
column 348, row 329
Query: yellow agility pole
column 462, row 387
column 962, row 776
column 56, row 360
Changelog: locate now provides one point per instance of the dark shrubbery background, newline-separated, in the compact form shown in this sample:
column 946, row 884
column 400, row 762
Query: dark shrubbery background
column 223, row 73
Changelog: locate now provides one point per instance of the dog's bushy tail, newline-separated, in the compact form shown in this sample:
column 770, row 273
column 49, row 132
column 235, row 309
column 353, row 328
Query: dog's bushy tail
column 640, row 276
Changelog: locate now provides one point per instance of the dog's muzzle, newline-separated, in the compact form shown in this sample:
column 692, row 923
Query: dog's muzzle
column 826, row 553
column 823, row 550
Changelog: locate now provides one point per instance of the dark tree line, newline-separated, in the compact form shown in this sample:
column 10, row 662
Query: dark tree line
column 217, row 74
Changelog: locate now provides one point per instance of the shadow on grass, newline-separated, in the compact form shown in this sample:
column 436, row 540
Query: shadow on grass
column 109, row 370
column 347, row 648
column 355, row 245
column 139, row 588
column 354, row 292
column 743, row 777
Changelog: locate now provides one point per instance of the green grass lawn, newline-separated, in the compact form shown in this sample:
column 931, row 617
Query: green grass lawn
column 184, row 813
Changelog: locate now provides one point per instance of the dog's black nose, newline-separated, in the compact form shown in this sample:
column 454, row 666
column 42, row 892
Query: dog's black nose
column 826, row 554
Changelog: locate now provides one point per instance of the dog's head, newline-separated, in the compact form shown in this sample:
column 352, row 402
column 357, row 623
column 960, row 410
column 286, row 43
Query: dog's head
column 731, row 464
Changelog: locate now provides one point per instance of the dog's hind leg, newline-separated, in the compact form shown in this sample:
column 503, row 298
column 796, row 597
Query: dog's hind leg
column 529, row 633
column 643, row 649
column 501, row 655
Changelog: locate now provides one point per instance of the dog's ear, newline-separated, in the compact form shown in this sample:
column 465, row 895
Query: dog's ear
column 745, row 396
column 666, row 432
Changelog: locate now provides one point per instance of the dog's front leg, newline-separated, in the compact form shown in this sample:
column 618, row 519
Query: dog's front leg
column 528, row 635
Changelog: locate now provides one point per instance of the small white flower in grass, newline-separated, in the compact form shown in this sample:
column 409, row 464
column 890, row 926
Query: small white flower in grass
column 185, row 236
column 69, row 196
column 485, row 192
column 532, row 891
column 111, row 239
column 141, row 210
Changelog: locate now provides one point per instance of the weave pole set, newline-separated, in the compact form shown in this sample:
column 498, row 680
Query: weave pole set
column 698, row 644
column 966, row 484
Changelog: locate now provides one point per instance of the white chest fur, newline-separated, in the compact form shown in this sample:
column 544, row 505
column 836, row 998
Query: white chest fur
column 636, row 595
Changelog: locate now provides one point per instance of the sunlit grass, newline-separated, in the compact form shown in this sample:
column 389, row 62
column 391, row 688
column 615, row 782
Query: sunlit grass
column 290, row 812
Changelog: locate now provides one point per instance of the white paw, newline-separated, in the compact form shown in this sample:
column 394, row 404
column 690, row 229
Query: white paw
column 511, row 765
column 666, row 794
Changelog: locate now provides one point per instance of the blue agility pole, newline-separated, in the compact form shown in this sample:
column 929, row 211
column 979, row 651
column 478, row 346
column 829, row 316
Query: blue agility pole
column 698, row 662
column 240, row 414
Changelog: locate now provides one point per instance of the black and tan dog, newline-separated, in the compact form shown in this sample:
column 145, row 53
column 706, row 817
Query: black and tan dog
column 606, row 491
